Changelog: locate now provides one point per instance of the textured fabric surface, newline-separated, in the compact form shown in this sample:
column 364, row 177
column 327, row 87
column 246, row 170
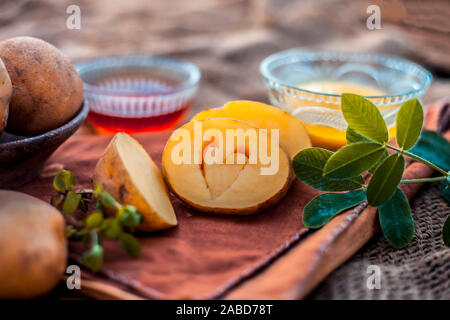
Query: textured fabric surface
column 419, row 271
column 205, row 255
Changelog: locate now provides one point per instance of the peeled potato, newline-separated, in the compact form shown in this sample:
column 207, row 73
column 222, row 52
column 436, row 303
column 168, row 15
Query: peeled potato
column 238, row 180
column 5, row 95
column 293, row 135
column 33, row 248
column 130, row 175
column 48, row 91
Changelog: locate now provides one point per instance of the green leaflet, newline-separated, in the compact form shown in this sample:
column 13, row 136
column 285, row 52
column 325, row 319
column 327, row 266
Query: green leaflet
column 64, row 181
column 364, row 117
column 308, row 166
column 376, row 165
column 94, row 220
column 353, row 159
column 325, row 206
column 130, row 244
column 409, row 123
column 396, row 220
column 352, row 136
column 71, row 202
column 434, row 148
column 385, row 180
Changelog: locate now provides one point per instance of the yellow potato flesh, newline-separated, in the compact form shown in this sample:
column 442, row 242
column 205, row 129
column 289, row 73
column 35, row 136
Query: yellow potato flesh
column 228, row 188
column 293, row 135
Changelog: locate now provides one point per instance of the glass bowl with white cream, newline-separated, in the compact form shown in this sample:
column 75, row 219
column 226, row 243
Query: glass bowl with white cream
column 309, row 85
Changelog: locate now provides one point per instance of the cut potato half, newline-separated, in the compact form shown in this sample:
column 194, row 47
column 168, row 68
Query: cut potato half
column 226, row 166
column 293, row 135
column 130, row 175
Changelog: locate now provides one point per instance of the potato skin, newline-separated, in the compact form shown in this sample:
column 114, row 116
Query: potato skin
column 33, row 246
column 111, row 173
column 47, row 92
column 237, row 212
column 5, row 95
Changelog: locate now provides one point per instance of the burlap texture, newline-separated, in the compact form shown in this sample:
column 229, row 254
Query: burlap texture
column 420, row 271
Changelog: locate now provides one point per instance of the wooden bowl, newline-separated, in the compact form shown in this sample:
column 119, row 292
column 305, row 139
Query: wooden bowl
column 22, row 158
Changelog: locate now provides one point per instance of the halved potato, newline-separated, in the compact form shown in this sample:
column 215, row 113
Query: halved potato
column 245, row 177
column 130, row 175
column 293, row 135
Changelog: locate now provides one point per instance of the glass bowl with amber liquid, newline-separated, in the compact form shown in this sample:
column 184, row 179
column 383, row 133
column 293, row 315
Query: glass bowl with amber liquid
column 309, row 86
column 138, row 93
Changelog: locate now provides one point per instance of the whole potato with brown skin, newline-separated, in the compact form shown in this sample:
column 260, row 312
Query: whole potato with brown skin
column 47, row 90
column 5, row 95
column 33, row 246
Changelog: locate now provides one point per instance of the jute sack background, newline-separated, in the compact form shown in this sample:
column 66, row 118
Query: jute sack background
column 420, row 271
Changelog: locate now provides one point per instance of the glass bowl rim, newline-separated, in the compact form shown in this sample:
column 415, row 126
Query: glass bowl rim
column 384, row 59
column 194, row 73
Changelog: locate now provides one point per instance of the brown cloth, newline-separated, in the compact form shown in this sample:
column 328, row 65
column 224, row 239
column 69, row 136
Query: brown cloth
column 270, row 255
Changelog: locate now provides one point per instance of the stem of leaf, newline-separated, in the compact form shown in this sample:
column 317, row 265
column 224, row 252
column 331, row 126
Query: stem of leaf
column 424, row 180
column 415, row 157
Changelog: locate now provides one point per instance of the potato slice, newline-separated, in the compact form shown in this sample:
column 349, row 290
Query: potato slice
column 33, row 246
column 293, row 135
column 5, row 95
column 130, row 175
column 244, row 178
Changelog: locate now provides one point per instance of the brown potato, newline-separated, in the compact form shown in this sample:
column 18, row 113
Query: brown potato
column 5, row 95
column 33, row 246
column 47, row 92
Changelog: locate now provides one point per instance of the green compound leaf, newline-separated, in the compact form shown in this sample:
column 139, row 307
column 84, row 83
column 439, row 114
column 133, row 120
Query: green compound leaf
column 308, row 166
column 130, row 244
column 446, row 232
column 396, row 220
column 71, row 202
column 409, row 123
column 364, row 117
column 352, row 136
column 353, row 159
column 93, row 259
column 434, row 148
column 325, row 206
column 385, row 180
column 64, row 181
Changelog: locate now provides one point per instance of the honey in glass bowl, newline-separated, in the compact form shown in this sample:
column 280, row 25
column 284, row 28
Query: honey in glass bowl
column 138, row 94
column 309, row 85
